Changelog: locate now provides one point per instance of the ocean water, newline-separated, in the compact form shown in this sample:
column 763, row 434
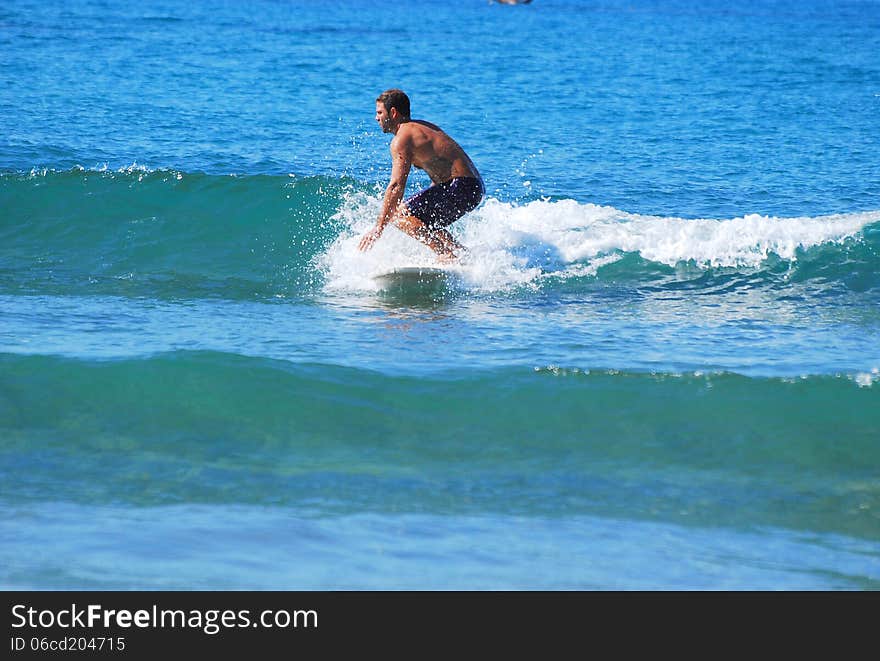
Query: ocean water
column 659, row 367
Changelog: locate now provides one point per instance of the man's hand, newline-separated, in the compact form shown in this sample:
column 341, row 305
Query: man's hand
column 369, row 239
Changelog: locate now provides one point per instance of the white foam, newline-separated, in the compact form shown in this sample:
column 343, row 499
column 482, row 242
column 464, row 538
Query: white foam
column 512, row 245
column 488, row 265
column 867, row 379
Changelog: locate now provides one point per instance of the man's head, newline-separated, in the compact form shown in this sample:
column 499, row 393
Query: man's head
column 392, row 109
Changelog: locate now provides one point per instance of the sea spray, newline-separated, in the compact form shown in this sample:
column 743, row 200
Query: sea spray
column 511, row 245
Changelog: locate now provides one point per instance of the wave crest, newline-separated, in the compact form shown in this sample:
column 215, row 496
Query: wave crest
column 543, row 241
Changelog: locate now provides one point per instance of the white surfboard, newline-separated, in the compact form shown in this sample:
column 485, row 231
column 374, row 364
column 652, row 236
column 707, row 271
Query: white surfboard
column 413, row 275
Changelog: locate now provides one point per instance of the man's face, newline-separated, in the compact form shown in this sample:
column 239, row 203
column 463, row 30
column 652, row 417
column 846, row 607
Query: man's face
column 383, row 117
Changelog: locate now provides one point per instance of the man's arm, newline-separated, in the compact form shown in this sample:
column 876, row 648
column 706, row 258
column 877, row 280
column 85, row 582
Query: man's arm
column 401, row 163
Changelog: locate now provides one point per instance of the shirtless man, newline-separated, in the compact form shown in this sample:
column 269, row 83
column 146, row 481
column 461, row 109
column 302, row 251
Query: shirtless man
column 457, row 186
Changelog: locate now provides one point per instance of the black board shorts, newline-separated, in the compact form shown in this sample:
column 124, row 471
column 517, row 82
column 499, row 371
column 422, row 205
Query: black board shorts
column 442, row 204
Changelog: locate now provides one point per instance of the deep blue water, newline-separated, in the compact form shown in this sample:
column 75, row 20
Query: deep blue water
column 658, row 369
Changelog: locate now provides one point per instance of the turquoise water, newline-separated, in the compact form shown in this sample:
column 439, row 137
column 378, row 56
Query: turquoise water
column 659, row 368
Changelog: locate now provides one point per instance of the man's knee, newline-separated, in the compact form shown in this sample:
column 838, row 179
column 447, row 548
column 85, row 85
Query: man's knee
column 405, row 221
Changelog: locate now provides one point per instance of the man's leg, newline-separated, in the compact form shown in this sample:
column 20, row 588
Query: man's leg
column 439, row 240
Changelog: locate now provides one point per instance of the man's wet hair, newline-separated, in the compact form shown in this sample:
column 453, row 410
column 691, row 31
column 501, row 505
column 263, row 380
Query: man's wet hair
column 395, row 98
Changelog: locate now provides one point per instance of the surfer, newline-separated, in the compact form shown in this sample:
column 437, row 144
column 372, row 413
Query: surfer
column 456, row 189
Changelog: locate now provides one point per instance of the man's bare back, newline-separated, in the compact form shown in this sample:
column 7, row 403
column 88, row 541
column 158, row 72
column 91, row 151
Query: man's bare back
column 457, row 189
column 435, row 152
